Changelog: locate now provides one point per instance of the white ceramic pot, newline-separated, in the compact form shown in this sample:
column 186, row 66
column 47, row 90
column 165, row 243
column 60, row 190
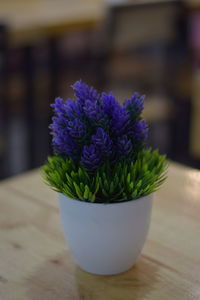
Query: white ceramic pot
column 105, row 238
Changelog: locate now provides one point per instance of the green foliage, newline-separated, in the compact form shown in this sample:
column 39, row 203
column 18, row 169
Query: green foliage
column 121, row 182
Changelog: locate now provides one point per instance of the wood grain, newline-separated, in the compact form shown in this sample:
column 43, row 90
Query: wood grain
column 36, row 264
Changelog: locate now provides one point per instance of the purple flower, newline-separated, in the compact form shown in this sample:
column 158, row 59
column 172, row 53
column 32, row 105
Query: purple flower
column 94, row 128
column 119, row 122
column 124, row 146
column 67, row 109
column 102, row 141
column 76, row 128
column 59, row 123
column 63, row 144
column 91, row 158
column 62, row 141
column 140, row 130
column 134, row 105
column 83, row 92
column 73, row 109
column 93, row 110
column 117, row 115
column 58, row 128
column 109, row 103
column 59, row 107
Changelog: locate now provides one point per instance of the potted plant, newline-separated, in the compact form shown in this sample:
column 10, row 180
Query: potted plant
column 105, row 176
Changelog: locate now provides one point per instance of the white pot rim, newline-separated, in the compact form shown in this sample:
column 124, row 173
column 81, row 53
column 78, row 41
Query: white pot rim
column 126, row 202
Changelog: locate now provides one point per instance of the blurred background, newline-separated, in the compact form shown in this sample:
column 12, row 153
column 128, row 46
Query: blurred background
column 152, row 47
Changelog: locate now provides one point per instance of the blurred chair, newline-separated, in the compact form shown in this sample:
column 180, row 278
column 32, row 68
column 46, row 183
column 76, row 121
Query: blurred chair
column 144, row 45
column 3, row 100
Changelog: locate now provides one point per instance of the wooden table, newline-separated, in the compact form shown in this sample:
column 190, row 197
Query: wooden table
column 35, row 263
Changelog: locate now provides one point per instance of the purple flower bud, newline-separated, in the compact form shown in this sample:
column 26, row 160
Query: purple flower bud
column 140, row 130
column 109, row 103
column 124, row 146
column 119, row 122
column 93, row 111
column 59, row 107
column 74, row 109
column 76, row 128
column 83, row 92
column 134, row 105
column 118, row 115
column 65, row 145
column 102, row 141
column 91, row 158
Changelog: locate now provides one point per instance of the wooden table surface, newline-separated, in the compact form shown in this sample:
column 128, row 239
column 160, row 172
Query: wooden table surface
column 35, row 263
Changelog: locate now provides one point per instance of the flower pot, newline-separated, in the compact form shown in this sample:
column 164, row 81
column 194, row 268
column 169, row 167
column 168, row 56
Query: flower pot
column 105, row 238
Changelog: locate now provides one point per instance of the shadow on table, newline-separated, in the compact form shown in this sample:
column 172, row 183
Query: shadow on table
column 59, row 278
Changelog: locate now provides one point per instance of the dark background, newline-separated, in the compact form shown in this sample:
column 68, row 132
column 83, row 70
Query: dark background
column 152, row 48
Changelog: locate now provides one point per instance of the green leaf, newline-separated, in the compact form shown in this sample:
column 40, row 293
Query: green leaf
column 78, row 191
column 93, row 198
column 86, row 192
column 128, row 179
column 125, row 180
